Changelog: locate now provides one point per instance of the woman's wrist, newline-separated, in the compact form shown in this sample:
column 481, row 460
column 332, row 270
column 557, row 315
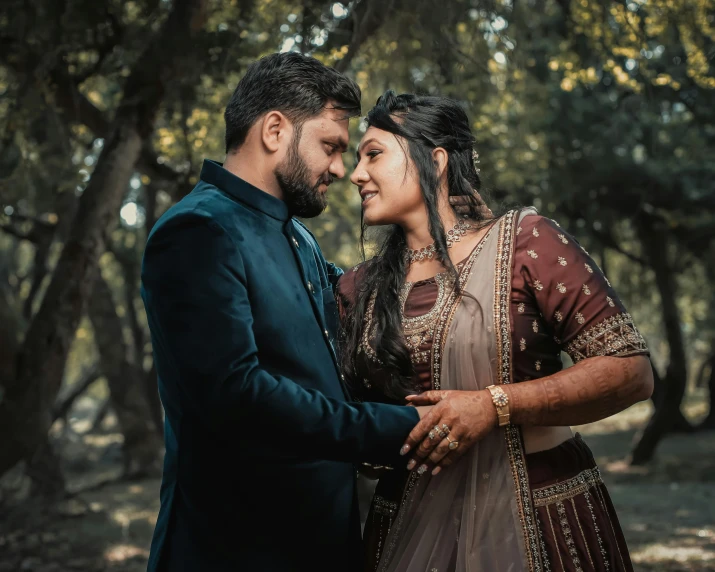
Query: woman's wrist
column 489, row 408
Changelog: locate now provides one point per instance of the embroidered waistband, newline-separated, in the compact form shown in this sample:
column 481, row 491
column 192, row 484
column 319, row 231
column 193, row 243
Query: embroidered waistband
column 567, row 489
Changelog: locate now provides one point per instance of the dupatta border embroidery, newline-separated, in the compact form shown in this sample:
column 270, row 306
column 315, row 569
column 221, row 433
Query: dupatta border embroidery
column 442, row 326
column 450, row 307
column 514, row 441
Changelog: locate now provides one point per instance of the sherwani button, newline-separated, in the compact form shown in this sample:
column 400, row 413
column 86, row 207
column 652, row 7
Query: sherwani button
column 295, row 241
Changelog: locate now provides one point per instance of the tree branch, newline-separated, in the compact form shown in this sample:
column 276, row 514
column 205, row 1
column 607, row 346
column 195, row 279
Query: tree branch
column 608, row 240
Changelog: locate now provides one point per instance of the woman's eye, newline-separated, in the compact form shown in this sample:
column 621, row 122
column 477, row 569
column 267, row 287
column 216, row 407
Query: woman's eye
column 372, row 154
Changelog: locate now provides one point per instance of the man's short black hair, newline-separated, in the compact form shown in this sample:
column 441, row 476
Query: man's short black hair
column 296, row 85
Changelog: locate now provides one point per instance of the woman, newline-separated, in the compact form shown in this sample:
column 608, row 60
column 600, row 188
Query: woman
column 472, row 314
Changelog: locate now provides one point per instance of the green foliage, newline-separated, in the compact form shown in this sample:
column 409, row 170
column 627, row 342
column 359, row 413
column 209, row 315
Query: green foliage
column 592, row 111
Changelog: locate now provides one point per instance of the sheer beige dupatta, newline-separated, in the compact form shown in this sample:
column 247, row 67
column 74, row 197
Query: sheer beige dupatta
column 471, row 517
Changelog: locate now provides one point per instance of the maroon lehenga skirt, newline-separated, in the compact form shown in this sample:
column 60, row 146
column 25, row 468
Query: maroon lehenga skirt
column 577, row 523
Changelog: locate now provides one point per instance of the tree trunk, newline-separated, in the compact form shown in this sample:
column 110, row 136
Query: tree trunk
column 62, row 408
column 26, row 407
column 709, row 421
column 655, row 244
column 142, row 445
column 102, row 412
column 45, row 472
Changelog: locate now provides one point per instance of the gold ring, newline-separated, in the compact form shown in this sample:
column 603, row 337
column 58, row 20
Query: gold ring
column 452, row 444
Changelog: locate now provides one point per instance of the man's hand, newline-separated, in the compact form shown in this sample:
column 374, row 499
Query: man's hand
column 468, row 415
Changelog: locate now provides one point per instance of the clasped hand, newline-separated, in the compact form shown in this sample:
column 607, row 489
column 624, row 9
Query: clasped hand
column 469, row 417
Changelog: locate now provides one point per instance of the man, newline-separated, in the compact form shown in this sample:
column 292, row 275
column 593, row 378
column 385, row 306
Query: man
column 260, row 438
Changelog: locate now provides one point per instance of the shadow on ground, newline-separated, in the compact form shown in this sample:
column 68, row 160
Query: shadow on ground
column 667, row 508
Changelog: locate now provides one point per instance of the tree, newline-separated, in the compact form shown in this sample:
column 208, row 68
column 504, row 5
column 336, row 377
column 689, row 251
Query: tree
column 25, row 409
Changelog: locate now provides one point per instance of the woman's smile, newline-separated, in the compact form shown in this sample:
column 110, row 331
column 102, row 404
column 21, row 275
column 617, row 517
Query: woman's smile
column 367, row 196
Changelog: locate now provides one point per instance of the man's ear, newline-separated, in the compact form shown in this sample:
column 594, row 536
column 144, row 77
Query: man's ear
column 275, row 128
column 441, row 159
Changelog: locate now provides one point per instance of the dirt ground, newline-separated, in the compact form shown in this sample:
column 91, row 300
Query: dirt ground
column 667, row 509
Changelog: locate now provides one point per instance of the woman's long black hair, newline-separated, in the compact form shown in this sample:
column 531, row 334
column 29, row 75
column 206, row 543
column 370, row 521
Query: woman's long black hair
column 424, row 123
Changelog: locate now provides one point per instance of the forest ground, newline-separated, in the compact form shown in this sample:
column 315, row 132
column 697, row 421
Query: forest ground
column 667, row 508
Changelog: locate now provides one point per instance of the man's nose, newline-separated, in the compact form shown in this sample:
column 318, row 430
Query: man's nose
column 337, row 168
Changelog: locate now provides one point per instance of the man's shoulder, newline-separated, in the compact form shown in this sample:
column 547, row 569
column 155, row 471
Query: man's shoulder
column 205, row 203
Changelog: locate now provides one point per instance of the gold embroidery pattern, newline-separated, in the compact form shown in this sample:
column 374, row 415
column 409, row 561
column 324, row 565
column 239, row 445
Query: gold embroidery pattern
column 607, row 282
column 588, row 267
column 522, row 344
column 544, row 554
column 369, row 330
column 560, row 492
column 558, row 315
column 561, row 288
column 449, row 309
column 614, row 336
column 419, row 330
column 553, row 535
column 514, row 441
column 562, row 261
column 518, row 231
column 537, row 365
column 520, row 308
column 532, row 253
column 610, row 301
column 538, row 285
column 579, row 318
column 583, row 535
column 586, row 290
column 405, row 503
column 604, row 554
column 599, row 494
column 562, row 238
column 535, row 232
column 384, row 507
column 561, row 510
column 535, row 326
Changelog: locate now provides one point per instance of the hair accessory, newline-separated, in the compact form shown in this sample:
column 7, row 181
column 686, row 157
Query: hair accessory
column 475, row 160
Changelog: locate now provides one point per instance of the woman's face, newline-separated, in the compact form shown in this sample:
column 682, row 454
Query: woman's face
column 387, row 180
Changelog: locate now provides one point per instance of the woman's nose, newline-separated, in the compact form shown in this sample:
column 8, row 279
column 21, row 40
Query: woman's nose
column 359, row 176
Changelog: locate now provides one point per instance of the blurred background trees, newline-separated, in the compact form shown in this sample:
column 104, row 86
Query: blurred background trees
column 599, row 113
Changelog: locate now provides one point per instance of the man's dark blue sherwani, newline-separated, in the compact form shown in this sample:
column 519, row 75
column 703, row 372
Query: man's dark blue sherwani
column 260, row 438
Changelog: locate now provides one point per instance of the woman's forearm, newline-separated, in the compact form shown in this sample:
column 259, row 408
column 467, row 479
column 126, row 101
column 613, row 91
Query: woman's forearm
column 589, row 391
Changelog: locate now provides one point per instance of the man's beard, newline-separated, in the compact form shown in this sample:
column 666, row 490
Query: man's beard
column 303, row 199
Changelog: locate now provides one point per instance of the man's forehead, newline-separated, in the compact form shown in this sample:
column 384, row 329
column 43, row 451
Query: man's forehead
column 331, row 121
column 335, row 115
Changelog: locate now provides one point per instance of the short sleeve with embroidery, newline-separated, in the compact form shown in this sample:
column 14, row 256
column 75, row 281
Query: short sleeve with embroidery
column 562, row 301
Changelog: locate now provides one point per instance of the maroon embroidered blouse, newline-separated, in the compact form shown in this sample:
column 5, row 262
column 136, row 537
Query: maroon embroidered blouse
column 560, row 301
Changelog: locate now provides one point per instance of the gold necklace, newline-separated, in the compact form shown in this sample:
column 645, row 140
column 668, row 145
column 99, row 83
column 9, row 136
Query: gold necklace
column 428, row 252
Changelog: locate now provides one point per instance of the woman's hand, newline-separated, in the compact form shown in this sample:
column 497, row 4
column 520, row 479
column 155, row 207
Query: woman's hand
column 469, row 416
